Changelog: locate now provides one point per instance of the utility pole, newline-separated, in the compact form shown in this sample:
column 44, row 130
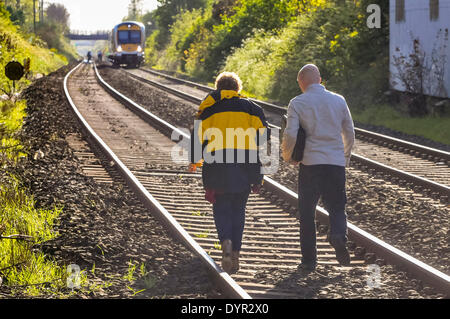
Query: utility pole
column 34, row 16
column 41, row 12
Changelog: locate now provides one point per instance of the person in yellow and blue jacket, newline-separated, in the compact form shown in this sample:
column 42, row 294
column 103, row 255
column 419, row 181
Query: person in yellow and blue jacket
column 225, row 141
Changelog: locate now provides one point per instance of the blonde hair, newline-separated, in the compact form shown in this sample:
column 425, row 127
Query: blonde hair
column 228, row 81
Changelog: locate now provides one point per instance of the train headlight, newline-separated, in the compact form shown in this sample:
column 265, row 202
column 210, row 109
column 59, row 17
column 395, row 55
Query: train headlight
column 139, row 49
column 119, row 48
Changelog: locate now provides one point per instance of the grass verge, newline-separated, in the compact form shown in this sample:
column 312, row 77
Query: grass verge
column 431, row 127
column 24, row 269
column 435, row 128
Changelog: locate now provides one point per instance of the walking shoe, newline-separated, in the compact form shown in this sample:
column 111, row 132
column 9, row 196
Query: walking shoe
column 235, row 261
column 227, row 262
column 307, row 266
column 342, row 254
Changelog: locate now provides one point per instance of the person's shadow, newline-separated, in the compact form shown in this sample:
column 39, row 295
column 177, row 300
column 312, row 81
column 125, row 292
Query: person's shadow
column 301, row 284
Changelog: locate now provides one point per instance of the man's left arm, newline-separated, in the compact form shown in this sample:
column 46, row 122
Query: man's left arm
column 348, row 134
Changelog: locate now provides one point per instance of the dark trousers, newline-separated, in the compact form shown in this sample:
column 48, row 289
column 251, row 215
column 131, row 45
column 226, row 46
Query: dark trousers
column 328, row 182
column 229, row 216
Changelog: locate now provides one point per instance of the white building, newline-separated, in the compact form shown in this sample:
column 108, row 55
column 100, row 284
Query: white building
column 420, row 46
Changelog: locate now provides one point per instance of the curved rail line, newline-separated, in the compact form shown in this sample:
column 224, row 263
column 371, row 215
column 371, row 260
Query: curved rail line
column 277, row 219
column 224, row 280
column 371, row 136
column 370, row 242
column 404, row 146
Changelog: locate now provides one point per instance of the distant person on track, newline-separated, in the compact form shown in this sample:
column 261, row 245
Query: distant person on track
column 328, row 125
column 89, row 56
column 225, row 139
column 100, row 56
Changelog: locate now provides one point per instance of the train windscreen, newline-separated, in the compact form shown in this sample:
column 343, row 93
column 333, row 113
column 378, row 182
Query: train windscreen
column 129, row 36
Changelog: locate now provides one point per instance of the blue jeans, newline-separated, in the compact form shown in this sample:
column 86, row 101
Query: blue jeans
column 229, row 216
column 328, row 182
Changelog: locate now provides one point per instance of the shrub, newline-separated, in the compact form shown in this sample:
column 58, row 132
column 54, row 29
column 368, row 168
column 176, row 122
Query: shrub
column 256, row 62
column 17, row 46
column 182, row 33
column 352, row 58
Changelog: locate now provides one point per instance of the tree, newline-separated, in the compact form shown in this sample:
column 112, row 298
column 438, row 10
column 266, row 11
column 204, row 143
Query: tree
column 148, row 19
column 222, row 7
column 16, row 15
column 166, row 13
column 57, row 13
column 135, row 10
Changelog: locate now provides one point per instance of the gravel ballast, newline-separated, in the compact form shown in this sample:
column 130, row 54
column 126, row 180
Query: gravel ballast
column 103, row 228
column 405, row 219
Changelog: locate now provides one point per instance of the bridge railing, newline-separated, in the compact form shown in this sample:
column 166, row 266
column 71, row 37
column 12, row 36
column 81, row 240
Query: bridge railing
column 88, row 35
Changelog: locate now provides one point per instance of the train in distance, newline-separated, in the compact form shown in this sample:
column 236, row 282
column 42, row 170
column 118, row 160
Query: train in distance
column 127, row 44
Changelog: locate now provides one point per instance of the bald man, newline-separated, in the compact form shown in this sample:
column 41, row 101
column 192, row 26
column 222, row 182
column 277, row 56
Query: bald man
column 330, row 135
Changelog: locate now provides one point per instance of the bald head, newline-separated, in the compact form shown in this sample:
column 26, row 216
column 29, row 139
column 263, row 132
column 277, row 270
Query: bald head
column 309, row 74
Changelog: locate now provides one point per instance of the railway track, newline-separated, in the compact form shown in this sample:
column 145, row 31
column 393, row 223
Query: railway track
column 142, row 155
column 405, row 162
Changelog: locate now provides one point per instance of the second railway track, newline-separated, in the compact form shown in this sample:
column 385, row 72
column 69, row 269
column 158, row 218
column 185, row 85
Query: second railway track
column 426, row 167
column 271, row 244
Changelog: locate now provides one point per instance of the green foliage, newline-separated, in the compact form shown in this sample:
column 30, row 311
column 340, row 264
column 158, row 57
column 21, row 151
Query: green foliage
column 148, row 19
column 20, row 13
column 262, row 53
column 52, row 30
column 23, row 268
column 266, row 42
column 134, row 11
column 183, row 31
column 198, row 51
column 22, row 226
column 11, row 117
column 49, row 34
column 36, row 276
column 17, row 16
column 52, row 33
column 58, row 14
column 165, row 16
column 130, row 272
column 140, row 278
column 224, row 25
column 152, row 54
column 351, row 57
column 431, row 127
column 15, row 45
column 247, row 16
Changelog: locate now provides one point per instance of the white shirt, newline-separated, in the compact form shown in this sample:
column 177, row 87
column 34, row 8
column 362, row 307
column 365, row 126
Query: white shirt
column 328, row 124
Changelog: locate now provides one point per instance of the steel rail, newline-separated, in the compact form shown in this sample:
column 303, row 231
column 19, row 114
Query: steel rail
column 443, row 190
column 176, row 92
column 359, row 131
column 229, row 286
column 392, row 255
column 402, row 175
column 405, row 144
column 426, row 273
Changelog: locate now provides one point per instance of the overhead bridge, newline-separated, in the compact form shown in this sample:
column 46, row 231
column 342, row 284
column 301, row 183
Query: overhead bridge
column 83, row 36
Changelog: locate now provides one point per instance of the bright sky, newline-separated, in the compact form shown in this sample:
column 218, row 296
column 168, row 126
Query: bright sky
column 93, row 15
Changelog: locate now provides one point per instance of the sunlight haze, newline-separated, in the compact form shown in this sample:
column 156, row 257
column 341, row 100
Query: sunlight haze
column 88, row 15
